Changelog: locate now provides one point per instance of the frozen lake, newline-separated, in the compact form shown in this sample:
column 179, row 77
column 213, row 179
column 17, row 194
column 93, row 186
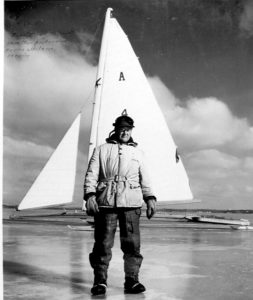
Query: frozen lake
column 50, row 261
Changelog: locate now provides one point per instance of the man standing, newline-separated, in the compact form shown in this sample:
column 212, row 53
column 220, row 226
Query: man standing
column 116, row 182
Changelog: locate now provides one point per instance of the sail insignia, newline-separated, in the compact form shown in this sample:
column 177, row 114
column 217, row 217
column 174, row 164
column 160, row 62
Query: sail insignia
column 177, row 156
column 98, row 82
column 121, row 77
column 124, row 113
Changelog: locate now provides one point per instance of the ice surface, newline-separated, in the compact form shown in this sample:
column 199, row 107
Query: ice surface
column 45, row 261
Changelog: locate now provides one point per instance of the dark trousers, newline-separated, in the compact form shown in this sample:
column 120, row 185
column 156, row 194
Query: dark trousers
column 105, row 228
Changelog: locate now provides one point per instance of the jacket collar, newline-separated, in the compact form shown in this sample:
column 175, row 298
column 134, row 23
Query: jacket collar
column 112, row 139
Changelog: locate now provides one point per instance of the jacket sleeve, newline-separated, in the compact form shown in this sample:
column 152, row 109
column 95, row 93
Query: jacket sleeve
column 92, row 174
column 145, row 181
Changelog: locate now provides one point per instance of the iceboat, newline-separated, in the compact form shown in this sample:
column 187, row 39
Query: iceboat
column 243, row 227
column 121, row 85
column 218, row 220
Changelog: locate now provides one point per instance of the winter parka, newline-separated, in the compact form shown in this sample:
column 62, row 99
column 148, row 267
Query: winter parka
column 117, row 176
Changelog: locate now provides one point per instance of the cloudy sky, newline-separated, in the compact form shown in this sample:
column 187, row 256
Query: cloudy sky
column 197, row 55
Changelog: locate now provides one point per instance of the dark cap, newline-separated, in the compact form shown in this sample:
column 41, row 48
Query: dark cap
column 124, row 121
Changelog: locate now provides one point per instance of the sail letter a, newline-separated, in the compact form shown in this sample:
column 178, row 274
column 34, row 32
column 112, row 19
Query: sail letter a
column 121, row 76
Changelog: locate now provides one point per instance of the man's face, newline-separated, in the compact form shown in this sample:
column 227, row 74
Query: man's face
column 124, row 134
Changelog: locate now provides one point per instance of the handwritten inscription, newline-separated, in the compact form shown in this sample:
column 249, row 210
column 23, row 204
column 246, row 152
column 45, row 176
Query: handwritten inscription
column 23, row 47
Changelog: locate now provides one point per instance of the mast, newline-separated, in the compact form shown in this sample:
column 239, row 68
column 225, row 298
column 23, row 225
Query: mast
column 99, row 83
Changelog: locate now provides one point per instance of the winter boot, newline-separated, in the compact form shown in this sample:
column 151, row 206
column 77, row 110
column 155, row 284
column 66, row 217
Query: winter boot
column 133, row 286
column 98, row 289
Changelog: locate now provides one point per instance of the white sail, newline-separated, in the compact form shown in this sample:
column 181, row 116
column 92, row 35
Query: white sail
column 121, row 84
column 55, row 184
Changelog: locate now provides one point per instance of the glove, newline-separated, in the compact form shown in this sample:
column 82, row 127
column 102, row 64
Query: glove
column 91, row 206
column 151, row 209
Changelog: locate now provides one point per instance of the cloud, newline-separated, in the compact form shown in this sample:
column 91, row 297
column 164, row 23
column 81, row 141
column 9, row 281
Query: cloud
column 208, row 122
column 212, row 158
column 216, row 177
column 246, row 19
column 22, row 162
column 45, row 87
column 167, row 100
column 13, row 147
column 248, row 163
column 203, row 123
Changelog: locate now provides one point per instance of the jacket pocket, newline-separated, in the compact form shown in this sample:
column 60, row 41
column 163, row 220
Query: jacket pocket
column 134, row 194
column 134, row 185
